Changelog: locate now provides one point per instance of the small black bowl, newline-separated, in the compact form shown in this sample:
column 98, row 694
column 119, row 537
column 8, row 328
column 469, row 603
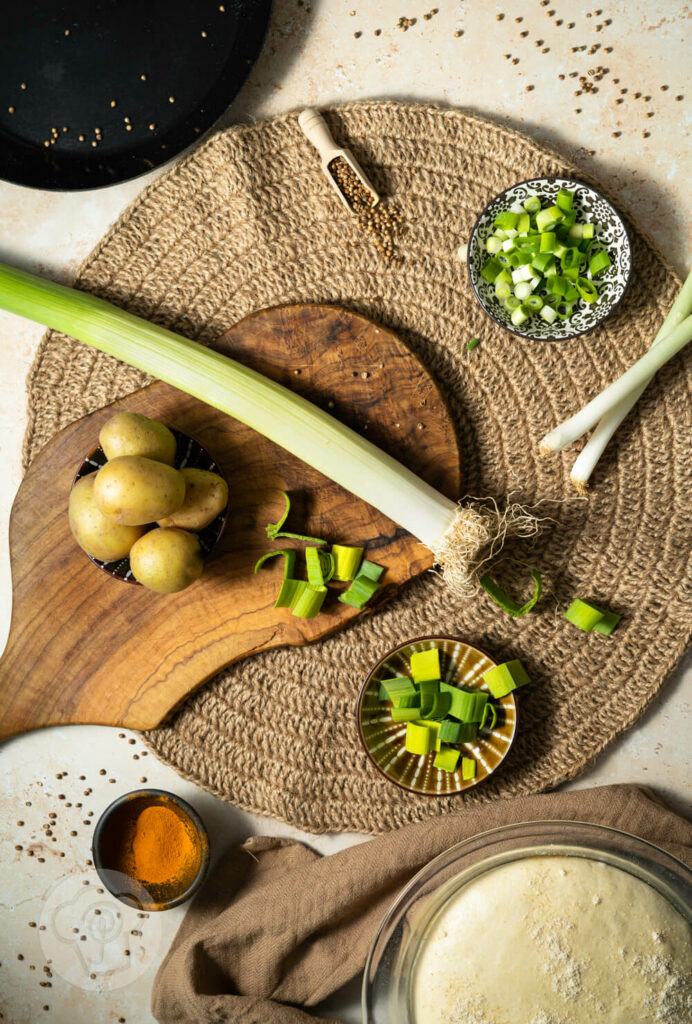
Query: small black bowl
column 189, row 454
column 108, row 831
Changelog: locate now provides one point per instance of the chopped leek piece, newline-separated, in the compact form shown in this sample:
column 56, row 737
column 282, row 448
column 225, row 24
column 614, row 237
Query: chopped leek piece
column 469, row 732
column 608, row 623
column 399, row 686
column 420, row 738
column 564, row 199
column 447, row 759
column 425, row 665
column 468, row 768
column 599, row 262
column 314, row 567
column 466, row 705
column 435, row 706
column 309, row 602
column 502, row 679
column 371, row 570
column 289, row 564
column 328, row 565
column 450, row 731
column 400, row 713
column 289, row 593
column 407, row 700
column 507, row 603
column 476, row 341
column 587, row 616
column 346, row 561
column 359, row 593
column 489, row 712
column 274, row 530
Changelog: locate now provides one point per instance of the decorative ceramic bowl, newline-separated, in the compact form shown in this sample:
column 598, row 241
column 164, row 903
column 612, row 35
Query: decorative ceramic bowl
column 387, row 989
column 111, row 832
column 383, row 739
column 612, row 283
column 189, row 454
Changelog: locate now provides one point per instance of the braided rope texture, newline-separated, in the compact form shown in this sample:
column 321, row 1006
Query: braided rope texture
column 248, row 221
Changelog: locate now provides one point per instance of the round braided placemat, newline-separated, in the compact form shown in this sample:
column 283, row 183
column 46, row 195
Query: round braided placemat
column 248, row 221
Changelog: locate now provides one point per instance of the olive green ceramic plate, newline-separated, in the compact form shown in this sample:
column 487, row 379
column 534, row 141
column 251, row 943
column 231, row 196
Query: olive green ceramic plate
column 383, row 739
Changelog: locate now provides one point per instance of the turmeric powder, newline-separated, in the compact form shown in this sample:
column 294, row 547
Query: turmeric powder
column 159, row 848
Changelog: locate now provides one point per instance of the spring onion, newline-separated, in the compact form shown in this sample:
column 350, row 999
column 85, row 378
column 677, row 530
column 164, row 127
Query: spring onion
column 588, row 617
column 493, row 245
column 599, row 262
column 359, row 593
column 447, row 759
column 503, row 679
column 474, row 341
column 459, row 537
column 532, row 204
column 637, row 377
column 468, row 768
column 587, row 289
column 274, row 530
column 425, row 665
column 588, row 458
column 564, row 199
column 289, row 564
column 533, row 303
column 507, row 603
column 548, row 314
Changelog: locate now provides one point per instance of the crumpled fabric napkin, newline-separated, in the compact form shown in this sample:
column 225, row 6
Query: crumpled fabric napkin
column 278, row 927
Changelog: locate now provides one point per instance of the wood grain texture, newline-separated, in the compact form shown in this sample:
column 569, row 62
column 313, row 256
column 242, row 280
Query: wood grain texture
column 84, row 648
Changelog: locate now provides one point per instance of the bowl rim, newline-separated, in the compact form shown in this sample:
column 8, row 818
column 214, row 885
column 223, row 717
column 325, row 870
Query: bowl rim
column 510, row 830
column 550, row 179
column 182, row 805
column 359, row 708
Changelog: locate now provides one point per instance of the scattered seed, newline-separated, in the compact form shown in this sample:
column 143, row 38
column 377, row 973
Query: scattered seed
column 171, row 99
column 645, row 135
column 357, row 35
column 650, row 113
column 616, row 135
column 528, row 88
column 10, row 110
column 499, row 17
column 23, row 86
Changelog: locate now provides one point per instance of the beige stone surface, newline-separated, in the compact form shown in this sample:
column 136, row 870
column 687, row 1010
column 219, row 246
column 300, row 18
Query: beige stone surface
column 313, row 56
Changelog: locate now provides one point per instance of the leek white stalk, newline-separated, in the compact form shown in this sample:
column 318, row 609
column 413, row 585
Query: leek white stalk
column 461, row 538
column 588, row 457
column 633, row 379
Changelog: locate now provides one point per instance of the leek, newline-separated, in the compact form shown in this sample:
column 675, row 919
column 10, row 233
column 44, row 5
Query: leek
column 461, row 539
column 587, row 460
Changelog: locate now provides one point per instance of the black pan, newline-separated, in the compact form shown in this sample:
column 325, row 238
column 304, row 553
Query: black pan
column 93, row 92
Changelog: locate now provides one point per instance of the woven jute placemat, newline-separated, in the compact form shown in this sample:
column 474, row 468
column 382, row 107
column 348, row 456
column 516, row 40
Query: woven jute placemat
column 248, row 221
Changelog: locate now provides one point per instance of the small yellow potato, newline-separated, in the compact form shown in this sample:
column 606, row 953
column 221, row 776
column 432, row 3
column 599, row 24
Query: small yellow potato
column 166, row 560
column 134, row 490
column 206, row 494
column 98, row 535
column 130, row 433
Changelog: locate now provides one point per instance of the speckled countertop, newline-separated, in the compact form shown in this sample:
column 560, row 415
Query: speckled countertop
column 503, row 60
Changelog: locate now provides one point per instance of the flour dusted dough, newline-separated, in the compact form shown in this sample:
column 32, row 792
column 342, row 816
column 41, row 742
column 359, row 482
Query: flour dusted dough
column 555, row 940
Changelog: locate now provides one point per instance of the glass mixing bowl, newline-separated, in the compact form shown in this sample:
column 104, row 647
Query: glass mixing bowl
column 386, row 983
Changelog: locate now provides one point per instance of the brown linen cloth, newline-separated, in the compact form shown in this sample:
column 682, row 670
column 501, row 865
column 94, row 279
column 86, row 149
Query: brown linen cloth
column 278, row 924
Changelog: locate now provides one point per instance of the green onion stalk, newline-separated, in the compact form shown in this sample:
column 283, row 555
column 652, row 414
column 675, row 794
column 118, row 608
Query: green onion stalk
column 588, row 458
column 462, row 538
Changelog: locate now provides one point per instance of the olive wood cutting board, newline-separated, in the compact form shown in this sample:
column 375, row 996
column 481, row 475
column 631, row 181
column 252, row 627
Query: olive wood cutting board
column 85, row 648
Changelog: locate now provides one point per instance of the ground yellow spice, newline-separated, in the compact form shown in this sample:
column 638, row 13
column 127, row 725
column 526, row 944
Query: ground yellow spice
column 158, row 848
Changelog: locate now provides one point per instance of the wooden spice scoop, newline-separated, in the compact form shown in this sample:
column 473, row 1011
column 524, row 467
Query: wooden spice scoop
column 315, row 129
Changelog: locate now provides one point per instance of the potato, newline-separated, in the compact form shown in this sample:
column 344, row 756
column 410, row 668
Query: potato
column 129, row 433
column 166, row 560
column 206, row 494
column 134, row 490
column 98, row 535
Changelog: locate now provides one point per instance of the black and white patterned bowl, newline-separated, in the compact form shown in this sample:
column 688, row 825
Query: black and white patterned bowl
column 612, row 283
column 189, row 454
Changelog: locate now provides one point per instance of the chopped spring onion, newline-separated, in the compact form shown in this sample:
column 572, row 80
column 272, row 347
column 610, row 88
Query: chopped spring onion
column 548, row 218
column 564, row 310
column 425, row 665
column 506, row 220
column 290, row 593
column 489, row 719
column 474, row 341
column 533, row 303
column 519, row 316
column 599, row 262
column 507, row 603
column 493, row 244
column 587, row 616
column 611, row 420
column 564, row 199
column 360, row 592
column 503, row 679
column 447, row 759
column 532, row 204
column 420, row 738
column 491, row 269
column 274, row 530
column 468, row 768
column 346, row 561
column 522, row 290
column 587, row 289
column 549, row 314
column 289, row 564
column 523, row 222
